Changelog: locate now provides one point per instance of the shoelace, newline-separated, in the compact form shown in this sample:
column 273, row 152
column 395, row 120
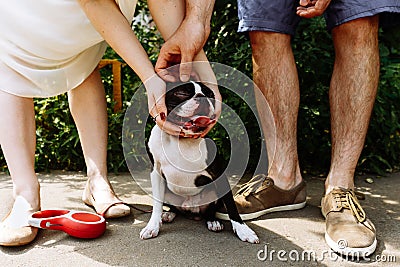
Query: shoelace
column 251, row 186
column 349, row 201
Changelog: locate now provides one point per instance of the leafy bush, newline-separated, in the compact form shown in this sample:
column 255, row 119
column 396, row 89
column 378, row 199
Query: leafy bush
column 58, row 143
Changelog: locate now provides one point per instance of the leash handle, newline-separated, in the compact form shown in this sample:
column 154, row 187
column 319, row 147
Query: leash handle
column 79, row 224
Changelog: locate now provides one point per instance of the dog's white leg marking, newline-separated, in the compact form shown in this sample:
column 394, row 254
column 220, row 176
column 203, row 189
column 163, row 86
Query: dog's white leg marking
column 244, row 232
column 168, row 216
column 215, row 226
column 153, row 226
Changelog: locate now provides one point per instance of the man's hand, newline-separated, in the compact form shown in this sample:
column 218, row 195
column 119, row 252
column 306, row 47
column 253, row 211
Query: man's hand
column 181, row 49
column 185, row 40
column 185, row 26
column 312, row 8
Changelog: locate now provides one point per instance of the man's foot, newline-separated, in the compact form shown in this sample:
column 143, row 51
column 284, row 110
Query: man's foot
column 348, row 231
column 104, row 201
column 14, row 229
column 260, row 196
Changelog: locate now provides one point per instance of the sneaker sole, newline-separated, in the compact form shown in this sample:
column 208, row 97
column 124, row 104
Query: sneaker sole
column 250, row 216
column 360, row 253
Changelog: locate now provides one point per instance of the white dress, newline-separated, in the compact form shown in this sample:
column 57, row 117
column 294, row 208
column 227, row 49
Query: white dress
column 48, row 47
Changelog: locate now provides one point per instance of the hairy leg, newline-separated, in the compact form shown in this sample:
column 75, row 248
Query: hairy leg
column 352, row 95
column 274, row 72
column 18, row 142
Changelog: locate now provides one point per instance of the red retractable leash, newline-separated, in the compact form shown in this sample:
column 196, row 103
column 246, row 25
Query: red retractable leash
column 80, row 224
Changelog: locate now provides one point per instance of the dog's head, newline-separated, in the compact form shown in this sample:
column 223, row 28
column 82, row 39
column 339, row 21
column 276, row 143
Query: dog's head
column 190, row 105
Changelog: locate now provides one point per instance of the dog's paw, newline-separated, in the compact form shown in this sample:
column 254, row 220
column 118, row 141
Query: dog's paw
column 168, row 216
column 244, row 232
column 215, row 226
column 151, row 230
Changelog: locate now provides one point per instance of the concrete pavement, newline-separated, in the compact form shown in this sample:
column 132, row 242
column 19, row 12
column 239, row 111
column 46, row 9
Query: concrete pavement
column 294, row 238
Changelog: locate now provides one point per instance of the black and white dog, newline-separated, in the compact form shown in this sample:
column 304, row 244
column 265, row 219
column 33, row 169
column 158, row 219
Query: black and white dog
column 183, row 175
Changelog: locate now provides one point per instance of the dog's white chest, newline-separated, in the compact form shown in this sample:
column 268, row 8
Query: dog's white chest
column 179, row 160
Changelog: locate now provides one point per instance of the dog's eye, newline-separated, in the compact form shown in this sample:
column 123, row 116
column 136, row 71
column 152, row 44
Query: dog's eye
column 207, row 91
column 182, row 95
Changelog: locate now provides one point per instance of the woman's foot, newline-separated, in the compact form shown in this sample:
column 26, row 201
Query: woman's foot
column 100, row 195
column 14, row 229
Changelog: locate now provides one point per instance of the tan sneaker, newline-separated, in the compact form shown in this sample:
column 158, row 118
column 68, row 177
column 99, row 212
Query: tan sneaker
column 260, row 196
column 348, row 231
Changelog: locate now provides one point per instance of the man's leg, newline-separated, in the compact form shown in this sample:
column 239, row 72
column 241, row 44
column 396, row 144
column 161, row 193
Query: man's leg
column 352, row 95
column 89, row 110
column 275, row 74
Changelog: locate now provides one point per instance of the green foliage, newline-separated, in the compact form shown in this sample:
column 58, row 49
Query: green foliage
column 381, row 152
column 225, row 45
column 57, row 137
column 315, row 55
column 313, row 51
column 58, row 142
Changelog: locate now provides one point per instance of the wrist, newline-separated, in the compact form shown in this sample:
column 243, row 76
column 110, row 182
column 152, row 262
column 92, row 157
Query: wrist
column 145, row 74
column 144, row 69
column 199, row 11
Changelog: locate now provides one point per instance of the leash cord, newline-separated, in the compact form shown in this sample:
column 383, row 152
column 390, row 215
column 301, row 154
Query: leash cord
column 138, row 209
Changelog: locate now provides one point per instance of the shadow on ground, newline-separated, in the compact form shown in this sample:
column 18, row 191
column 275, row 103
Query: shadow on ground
column 293, row 238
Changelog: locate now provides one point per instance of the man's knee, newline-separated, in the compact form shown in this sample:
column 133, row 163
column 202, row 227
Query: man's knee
column 273, row 42
column 359, row 31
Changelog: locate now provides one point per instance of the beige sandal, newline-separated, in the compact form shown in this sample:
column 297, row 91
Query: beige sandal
column 113, row 209
column 21, row 234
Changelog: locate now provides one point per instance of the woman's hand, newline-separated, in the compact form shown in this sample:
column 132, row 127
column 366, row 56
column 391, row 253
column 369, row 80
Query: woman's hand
column 156, row 89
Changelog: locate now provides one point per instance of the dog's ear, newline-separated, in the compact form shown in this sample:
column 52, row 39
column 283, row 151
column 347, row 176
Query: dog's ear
column 206, row 90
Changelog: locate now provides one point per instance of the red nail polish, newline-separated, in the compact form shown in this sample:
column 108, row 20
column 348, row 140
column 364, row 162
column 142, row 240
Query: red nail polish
column 162, row 116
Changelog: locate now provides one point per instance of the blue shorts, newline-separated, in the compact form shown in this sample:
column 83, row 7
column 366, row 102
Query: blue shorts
column 280, row 15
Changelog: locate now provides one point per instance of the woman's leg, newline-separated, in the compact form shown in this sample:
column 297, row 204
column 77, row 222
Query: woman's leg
column 18, row 142
column 89, row 110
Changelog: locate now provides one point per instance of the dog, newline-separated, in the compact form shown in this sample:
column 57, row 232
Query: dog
column 186, row 174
